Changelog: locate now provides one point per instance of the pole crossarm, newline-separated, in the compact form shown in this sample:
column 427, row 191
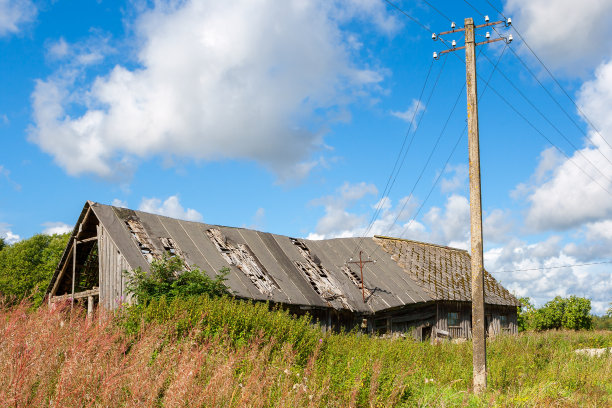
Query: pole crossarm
column 492, row 41
column 458, row 30
column 507, row 40
column 490, row 24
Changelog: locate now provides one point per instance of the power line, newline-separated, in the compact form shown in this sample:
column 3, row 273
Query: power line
column 438, row 11
column 401, row 163
column 408, row 15
column 495, row 8
column 430, row 95
column 453, row 151
column 584, row 115
column 552, row 124
column 436, row 145
column 473, row 8
column 395, row 6
column 549, row 141
column 555, row 267
column 561, row 107
column 399, row 155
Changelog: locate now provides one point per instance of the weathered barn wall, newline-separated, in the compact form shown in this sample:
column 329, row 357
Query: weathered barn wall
column 462, row 326
column 495, row 323
column 112, row 264
column 500, row 319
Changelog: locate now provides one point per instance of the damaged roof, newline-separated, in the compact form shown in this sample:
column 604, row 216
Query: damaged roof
column 281, row 269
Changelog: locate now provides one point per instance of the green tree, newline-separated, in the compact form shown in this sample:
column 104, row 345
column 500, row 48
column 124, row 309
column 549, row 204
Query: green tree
column 524, row 313
column 568, row 313
column 27, row 266
column 169, row 278
column 551, row 315
column 577, row 314
column 2, row 243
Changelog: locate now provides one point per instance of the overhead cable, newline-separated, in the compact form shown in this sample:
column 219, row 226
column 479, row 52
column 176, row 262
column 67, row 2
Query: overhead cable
column 584, row 115
column 535, row 108
column 554, row 267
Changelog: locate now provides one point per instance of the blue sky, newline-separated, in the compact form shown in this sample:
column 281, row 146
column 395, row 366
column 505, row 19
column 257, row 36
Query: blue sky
column 288, row 117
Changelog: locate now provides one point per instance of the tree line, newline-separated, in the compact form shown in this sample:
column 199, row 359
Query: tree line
column 26, row 266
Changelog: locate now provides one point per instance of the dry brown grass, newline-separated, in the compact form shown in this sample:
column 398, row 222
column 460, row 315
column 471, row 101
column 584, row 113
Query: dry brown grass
column 60, row 359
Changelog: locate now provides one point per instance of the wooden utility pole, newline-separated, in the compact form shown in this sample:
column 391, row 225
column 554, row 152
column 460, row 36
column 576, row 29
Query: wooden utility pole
column 361, row 263
column 479, row 357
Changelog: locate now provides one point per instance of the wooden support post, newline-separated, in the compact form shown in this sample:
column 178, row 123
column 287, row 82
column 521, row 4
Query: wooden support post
column 74, row 248
column 90, row 306
column 478, row 318
column 61, row 274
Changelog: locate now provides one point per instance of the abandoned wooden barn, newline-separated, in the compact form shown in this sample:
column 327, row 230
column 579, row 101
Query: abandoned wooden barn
column 413, row 287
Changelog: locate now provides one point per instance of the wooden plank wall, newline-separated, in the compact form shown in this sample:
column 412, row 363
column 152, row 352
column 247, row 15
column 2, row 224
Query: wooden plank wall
column 464, row 330
column 493, row 313
column 111, row 267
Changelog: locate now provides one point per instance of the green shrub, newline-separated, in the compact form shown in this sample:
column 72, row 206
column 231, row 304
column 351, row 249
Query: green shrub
column 211, row 317
column 169, row 278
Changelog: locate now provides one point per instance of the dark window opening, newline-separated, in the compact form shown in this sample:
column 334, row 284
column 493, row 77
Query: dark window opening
column 454, row 319
column 426, row 333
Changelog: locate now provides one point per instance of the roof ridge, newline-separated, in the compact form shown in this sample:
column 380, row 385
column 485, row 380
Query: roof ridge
column 421, row 243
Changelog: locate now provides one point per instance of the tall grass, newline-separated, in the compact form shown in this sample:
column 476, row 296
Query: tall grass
column 226, row 353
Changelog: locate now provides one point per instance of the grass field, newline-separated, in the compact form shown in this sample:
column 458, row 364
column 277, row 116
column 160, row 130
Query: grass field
column 216, row 353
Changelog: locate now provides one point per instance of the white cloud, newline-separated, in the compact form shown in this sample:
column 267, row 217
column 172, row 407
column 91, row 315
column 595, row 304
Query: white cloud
column 15, row 13
column 56, row 228
column 450, row 226
column 171, row 207
column 410, row 114
column 446, row 226
column 567, row 34
column 497, row 226
column 80, row 54
column 6, row 174
column 216, row 80
column 119, row 203
column 560, row 196
column 597, row 242
column 338, row 221
column 8, row 235
column 59, row 49
column 457, row 181
column 568, row 193
column 258, row 219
